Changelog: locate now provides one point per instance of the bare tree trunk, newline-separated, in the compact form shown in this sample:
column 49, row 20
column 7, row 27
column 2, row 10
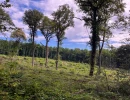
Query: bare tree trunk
column 33, row 52
column 57, row 56
column 93, row 43
column 92, row 60
column 99, row 69
column 100, row 51
column 46, row 63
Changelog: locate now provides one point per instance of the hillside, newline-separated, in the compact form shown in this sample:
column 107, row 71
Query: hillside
column 20, row 81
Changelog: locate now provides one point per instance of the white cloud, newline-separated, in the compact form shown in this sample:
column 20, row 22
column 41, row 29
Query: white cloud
column 82, row 40
column 47, row 7
column 116, row 44
column 40, row 38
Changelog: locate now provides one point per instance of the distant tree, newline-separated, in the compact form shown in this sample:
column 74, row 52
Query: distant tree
column 63, row 19
column 47, row 29
column 32, row 19
column 94, row 12
column 123, row 57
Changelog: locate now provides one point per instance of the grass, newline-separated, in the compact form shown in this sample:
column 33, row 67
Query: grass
column 20, row 81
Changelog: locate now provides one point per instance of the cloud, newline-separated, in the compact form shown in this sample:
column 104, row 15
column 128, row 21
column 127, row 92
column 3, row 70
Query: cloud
column 40, row 38
column 48, row 6
column 82, row 40
column 76, row 34
column 116, row 44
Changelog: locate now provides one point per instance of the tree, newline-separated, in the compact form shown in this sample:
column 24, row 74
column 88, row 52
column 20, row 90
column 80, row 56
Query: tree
column 18, row 35
column 32, row 19
column 124, row 24
column 63, row 18
column 123, row 57
column 47, row 29
column 104, row 33
column 94, row 16
column 5, row 4
column 6, row 23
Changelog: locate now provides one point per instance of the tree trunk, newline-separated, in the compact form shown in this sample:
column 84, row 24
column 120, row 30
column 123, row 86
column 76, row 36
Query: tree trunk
column 99, row 70
column 33, row 52
column 93, row 57
column 57, row 56
column 93, row 43
column 46, row 63
column 100, row 51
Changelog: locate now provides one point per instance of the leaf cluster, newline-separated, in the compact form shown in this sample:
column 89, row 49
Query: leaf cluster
column 18, row 34
column 63, row 18
column 47, row 28
column 5, row 21
column 32, row 19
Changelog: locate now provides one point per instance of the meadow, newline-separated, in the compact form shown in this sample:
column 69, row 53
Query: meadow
column 20, row 81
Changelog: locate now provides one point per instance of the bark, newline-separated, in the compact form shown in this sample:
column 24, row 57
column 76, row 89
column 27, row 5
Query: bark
column 100, row 52
column 93, row 43
column 99, row 59
column 46, row 63
column 57, row 56
column 33, row 52
column 99, row 69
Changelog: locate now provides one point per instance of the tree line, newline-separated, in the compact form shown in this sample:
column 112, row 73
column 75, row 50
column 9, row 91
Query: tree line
column 113, row 58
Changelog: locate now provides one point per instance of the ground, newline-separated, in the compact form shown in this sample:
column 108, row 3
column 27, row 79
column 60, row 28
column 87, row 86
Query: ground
column 20, row 81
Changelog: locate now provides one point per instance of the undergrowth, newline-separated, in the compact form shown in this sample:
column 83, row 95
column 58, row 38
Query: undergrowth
column 20, row 81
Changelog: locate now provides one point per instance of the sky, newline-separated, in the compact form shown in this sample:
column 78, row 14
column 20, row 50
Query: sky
column 77, row 36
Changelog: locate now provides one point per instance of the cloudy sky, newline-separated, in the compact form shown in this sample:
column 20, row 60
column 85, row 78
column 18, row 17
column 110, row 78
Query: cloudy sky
column 77, row 36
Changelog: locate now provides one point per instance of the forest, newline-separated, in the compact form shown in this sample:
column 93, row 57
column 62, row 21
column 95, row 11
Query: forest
column 34, row 71
column 113, row 58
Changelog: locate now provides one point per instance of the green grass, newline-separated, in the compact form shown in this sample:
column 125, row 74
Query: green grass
column 20, row 81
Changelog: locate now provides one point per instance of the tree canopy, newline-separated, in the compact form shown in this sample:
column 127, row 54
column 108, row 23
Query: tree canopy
column 63, row 18
column 18, row 34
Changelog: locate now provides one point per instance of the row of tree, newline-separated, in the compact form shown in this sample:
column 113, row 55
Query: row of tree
column 112, row 58
column 62, row 19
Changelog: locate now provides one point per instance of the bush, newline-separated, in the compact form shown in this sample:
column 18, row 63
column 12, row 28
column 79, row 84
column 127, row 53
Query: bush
column 11, row 65
column 124, row 88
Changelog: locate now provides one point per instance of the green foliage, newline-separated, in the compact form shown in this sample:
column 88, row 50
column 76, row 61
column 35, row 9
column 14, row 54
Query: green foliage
column 32, row 18
column 11, row 65
column 20, row 81
column 6, row 23
column 63, row 18
column 124, row 88
column 47, row 28
column 123, row 57
column 18, row 34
